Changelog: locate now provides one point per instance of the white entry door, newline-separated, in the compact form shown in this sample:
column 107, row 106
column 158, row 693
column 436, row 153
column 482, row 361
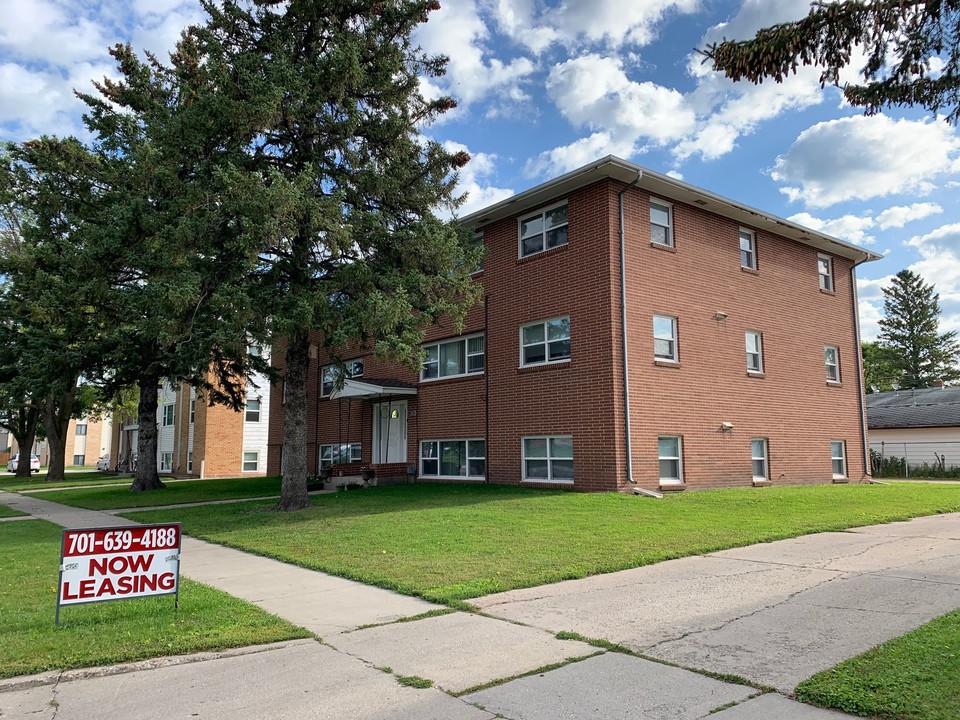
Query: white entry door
column 390, row 432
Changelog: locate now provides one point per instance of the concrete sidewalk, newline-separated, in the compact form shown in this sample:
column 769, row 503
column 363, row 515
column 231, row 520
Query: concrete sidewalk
column 753, row 612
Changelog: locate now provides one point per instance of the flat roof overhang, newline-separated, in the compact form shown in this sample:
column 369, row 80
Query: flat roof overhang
column 358, row 389
column 614, row 168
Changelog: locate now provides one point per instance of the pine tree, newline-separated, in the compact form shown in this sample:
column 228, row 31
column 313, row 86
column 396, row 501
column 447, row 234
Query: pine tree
column 909, row 333
column 901, row 39
column 351, row 246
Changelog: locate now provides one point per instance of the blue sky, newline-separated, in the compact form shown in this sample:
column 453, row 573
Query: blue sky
column 544, row 87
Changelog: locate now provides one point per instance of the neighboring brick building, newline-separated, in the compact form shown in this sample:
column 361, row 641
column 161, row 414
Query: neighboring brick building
column 88, row 439
column 196, row 440
column 741, row 337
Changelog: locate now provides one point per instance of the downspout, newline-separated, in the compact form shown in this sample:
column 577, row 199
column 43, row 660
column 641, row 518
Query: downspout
column 623, row 327
column 486, row 389
column 860, row 379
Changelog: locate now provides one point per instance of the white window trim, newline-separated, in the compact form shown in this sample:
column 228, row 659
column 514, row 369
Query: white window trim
column 166, row 462
column 546, row 342
column 469, row 457
column 330, row 463
column 243, row 460
column 679, row 458
column 466, row 357
column 81, row 430
column 675, row 331
column 839, row 378
column 323, row 372
column 190, row 462
column 548, row 458
column 542, row 213
column 163, row 415
column 753, row 248
column 841, row 457
column 765, row 458
column 247, row 410
column 829, row 275
column 759, row 369
column 668, row 206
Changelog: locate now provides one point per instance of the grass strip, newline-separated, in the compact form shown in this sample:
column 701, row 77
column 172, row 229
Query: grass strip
column 6, row 512
column 113, row 498
column 111, row 632
column 11, row 483
column 913, row 677
column 449, row 543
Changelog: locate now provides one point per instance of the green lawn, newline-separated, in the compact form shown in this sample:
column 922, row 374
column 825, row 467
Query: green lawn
column 6, row 512
column 12, row 483
column 451, row 542
column 914, row 677
column 111, row 498
column 109, row 632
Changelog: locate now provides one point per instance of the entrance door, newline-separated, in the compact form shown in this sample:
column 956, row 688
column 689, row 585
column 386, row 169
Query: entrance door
column 390, row 432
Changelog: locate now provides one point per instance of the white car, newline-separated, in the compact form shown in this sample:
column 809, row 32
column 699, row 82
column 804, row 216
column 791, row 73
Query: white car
column 103, row 463
column 15, row 462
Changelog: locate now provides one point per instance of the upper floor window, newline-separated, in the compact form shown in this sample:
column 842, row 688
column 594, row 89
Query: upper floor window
column 255, row 351
column 661, row 223
column 253, row 410
column 331, row 375
column 477, row 242
column 665, row 338
column 825, row 269
column 545, row 342
column 81, row 430
column 831, row 359
column 754, row 343
column 167, row 417
column 543, row 230
column 748, row 249
column 463, row 356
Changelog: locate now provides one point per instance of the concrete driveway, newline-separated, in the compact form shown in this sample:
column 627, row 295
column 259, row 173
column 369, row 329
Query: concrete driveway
column 774, row 613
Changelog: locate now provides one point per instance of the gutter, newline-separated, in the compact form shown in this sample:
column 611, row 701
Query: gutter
column 860, row 379
column 623, row 327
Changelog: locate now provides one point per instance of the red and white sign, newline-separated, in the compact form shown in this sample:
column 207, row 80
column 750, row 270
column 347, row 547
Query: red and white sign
column 98, row 564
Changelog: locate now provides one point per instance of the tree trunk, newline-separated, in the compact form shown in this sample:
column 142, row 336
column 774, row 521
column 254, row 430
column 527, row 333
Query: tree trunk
column 56, row 421
column 293, row 464
column 24, row 431
column 146, row 476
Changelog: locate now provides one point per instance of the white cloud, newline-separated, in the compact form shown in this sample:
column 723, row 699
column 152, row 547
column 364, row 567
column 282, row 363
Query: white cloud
column 473, row 180
column 851, row 228
column 864, row 157
column 580, row 152
column 610, row 22
column 899, row 215
column 457, row 31
column 939, row 265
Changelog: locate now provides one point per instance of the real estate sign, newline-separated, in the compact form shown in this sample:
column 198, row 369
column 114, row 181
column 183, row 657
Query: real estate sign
column 100, row 564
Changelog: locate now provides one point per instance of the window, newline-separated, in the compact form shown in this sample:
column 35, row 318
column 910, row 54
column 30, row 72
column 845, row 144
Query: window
column 166, row 461
column 754, row 342
column 167, row 415
column 671, row 463
column 193, row 410
column 544, row 230
column 825, row 269
column 838, row 455
column 545, row 342
column 831, row 359
column 342, row 454
column 252, row 411
column 748, row 250
column 78, row 459
column 477, row 242
column 331, row 376
column 251, row 461
column 758, row 455
column 665, row 338
column 81, row 430
column 661, row 223
column 190, row 461
column 453, row 458
column 463, row 356
column 255, row 351
column 548, row 459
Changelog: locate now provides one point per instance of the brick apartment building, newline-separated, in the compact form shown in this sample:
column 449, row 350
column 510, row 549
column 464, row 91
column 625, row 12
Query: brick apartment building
column 88, row 439
column 196, row 440
column 738, row 331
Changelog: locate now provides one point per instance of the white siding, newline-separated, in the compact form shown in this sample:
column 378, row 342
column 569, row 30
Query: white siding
column 165, row 435
column 918, row 445
column 255, row 433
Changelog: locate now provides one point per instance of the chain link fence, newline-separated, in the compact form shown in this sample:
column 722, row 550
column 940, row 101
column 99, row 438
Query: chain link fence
column 918, row 459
